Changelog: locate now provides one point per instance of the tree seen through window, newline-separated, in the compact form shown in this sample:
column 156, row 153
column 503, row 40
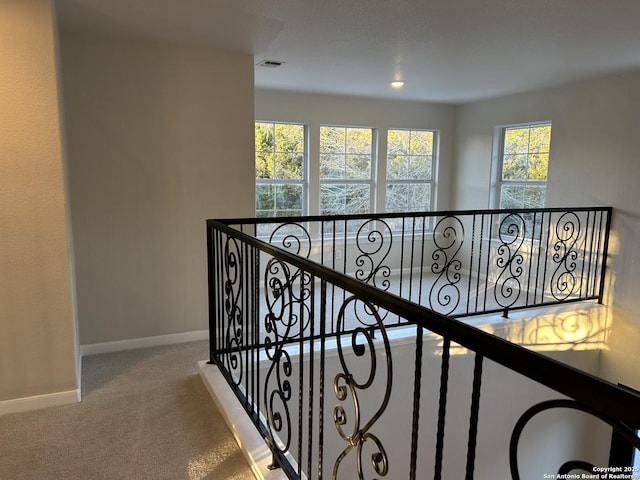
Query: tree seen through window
column 525, row 163
column 345, row 170
column 280, row 169
column 409, row 170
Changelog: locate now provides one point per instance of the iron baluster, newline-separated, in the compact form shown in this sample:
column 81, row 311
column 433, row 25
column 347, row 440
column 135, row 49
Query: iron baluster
column 511, row 234
column 448, row 236
column 347, row 385
column 415, row 424
column 442, row 407
column 475, row 412
column 563, row 279
column 235, row 318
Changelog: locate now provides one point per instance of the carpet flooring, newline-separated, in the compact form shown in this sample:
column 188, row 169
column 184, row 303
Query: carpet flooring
column 145, row 414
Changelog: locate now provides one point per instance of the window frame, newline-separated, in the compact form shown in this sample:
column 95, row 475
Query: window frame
column 375, row 182
column 304, row 182
column 434, row 163
column 495, row 195
column 370, row 181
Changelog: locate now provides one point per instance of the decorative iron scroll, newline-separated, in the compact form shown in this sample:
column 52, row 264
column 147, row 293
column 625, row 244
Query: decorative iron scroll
column 292, row 237
column 288, row 316
column 448, row 235
column 349, row 384
column 370, row 241
column 571, row 465
column 233, row 286
column 278, row 324
column 374, row 244
column 564, row 281
column 511, row 233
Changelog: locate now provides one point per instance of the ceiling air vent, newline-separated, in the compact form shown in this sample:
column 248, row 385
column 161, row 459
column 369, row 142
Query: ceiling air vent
column 270, row 63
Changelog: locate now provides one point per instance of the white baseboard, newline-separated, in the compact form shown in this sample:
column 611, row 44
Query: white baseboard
column 143, row 342
column 37, row 402
column 253, row 447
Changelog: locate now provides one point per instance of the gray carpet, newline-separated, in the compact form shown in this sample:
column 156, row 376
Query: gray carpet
column 145, row 414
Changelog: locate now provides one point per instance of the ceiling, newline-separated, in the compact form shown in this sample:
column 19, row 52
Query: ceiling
column 451, row 51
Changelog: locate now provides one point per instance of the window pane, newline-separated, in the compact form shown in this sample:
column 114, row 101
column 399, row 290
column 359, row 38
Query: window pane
column 410, row 154
column 397, row 167
column 279, row 200
column 265, row 198
column 332, row 166
column 289, row 137
column 289, row 166
column 332, row 139
column 540, row 138
column 409, row 157
column 514, row 167
column 421, row 142
column 511, row 196
column 516, row 140
column 398, row 142
column 289, row 199
column 408, row 197
column 338, row 199
column 358, row 140
column 525, row 159
column 264, row 165
column 538, row 166
column 420, row 167
column 345, row 153
column 534, row 196
column 332, row 199
column 265, row 140
column 280, row 169
column 279, row 151
column 358, row 167
column 522, row 196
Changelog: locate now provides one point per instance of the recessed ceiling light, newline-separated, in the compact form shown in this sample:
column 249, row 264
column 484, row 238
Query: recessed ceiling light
column 397, row 84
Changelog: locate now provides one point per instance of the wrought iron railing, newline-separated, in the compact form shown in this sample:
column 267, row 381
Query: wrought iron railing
column 458, row 263
column 346, row 369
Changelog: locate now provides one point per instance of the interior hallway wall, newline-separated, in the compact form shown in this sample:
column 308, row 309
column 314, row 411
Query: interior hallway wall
column 595, row 161
column 37, row 342
column 160, row 138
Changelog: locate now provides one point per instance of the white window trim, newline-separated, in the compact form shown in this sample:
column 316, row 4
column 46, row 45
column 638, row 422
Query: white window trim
column 311, row 182
column 497, row 159
column 434, row 169
column 305, row 167
column 373, row 175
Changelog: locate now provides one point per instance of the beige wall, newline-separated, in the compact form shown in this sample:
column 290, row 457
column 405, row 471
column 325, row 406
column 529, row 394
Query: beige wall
column 595, row 160
column 36, row 320
column 160, row 138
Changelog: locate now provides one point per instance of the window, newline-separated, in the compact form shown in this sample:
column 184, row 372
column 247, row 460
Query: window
column 343, row 177
column 409, row 170
column 523, row 165
column 280, row 169
column 346, row 173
